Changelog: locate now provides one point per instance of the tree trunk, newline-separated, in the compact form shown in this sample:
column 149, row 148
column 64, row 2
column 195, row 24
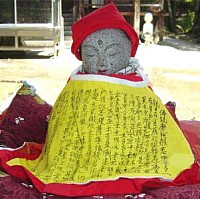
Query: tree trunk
column 173, row 6
column 171, row 16
column 195, row 31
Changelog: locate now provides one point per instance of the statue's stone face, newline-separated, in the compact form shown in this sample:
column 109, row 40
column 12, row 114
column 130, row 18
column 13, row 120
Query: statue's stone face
column 106, row 51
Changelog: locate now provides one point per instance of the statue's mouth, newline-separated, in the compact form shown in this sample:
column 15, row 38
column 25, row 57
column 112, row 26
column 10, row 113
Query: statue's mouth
column 102, row 71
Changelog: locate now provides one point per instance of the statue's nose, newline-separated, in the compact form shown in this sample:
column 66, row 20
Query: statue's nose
column 102, row 62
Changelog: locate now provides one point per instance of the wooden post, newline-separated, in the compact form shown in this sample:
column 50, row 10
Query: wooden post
column 160, row 25
column 137, row 16
column 75, row 13
column 161, row 20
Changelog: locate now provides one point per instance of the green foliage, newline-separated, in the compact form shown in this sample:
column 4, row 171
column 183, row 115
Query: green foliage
column 186, row 22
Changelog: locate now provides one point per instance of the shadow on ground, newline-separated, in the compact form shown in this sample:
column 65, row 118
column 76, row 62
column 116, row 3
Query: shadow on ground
column 25, row 55
column 180, row 44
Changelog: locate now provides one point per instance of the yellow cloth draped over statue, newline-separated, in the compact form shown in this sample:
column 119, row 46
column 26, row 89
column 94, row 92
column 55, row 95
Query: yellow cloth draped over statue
column 104, row 129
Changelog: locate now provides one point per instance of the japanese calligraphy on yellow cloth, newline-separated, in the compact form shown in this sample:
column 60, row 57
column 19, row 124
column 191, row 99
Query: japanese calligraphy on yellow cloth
column 103, row 130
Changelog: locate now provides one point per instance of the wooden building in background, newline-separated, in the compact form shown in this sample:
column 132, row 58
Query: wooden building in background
column 132, row 10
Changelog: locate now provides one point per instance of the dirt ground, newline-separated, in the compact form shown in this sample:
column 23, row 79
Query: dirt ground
column 174, row 74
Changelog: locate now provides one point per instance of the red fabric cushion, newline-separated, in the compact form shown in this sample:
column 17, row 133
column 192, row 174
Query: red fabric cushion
column 25, row 119
column 8, row 139
column 2, row 115
column 11, row 187
column 184, row 192
column 191, row 130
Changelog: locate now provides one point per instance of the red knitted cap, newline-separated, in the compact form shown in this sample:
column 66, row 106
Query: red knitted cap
column 105, row 17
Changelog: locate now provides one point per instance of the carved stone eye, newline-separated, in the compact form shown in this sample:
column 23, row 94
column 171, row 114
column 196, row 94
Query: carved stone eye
column 113, row 54
column 90, row 55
